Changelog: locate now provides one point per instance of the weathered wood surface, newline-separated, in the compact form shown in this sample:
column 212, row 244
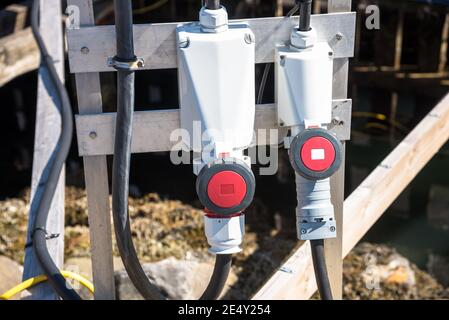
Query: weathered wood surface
column 13, row 18
column 294, row 279
column 18, row 55
column 152, row 129
column 48, row 128
column 156, row 43
column 96, row 176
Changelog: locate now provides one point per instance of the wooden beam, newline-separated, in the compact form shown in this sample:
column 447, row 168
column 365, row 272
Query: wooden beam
column 48, row 128
column 90, row 47
column 13, row 18
column 294, row 279
column 152, row 129
column 18, row 55
column 96, row 177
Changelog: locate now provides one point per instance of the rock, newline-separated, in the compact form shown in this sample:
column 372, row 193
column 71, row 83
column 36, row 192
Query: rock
column 13, row 227
column 179, row 279
column 10, row 274
column 378, row 272
column 83, row 266
column 396, row 270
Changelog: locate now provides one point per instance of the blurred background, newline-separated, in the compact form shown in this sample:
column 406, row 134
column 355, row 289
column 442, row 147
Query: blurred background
column 397, row 76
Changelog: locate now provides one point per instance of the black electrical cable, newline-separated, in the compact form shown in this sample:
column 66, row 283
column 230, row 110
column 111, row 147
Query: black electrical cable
column 56, row 163
column 319, row 265
column 121, row 168
column 122, row 152
column 212, row 4
column 319, row 262
column 305, row 13
column 219, row 276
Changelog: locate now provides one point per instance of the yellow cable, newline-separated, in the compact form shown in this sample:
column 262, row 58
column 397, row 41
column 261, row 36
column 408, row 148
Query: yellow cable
column 151, row 7
column 363, row 114
column 381, row 117
column 36, row 280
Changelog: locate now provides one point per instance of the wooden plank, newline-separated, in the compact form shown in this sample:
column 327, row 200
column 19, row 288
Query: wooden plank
column 333, row 247
column 13, row 18
column 294, row 279
column 21, row 11
column 48, row 128
column 152, row 129
column 156, row 43
column 338, row 5
column 19, row 55
column 96, row 177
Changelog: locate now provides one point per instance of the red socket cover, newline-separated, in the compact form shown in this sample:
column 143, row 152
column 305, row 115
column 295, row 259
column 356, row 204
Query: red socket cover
column 318, row 154
column 226, row 189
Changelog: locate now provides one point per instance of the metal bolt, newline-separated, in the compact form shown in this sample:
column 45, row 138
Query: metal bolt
column 303, row 231
column 332, row 229
column 337, row 121
column 140, row 63
column 286, row 270
column 385, row 166
column 339, row 36
column 249, row 38
column 184, row 43
column 331, row 53
column 85, row 50
column 92, row 134
column 282, row 60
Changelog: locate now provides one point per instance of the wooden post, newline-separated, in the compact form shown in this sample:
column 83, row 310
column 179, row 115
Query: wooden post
column 317, row 7
column 96, row 174
column 333, row 247
column 443, row 48
column 397, row 67
column 279, row 8
column 48, row 128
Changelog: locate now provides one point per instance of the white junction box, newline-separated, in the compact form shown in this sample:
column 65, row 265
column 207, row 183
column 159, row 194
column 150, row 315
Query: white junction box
column 304, row 85
column 216, row 87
